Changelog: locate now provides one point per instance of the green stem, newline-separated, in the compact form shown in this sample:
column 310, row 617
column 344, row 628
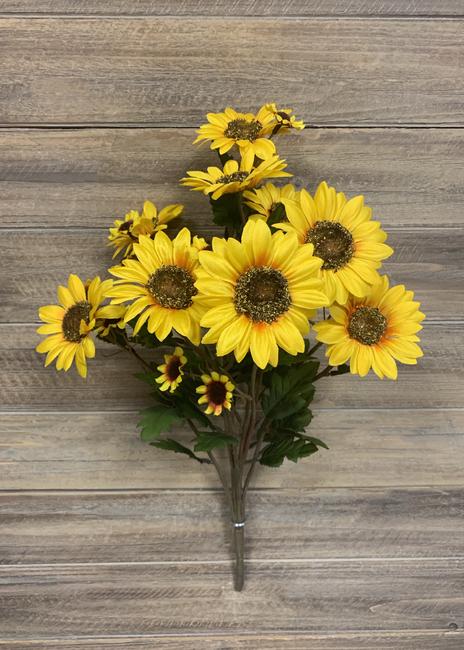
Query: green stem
column 323, row 373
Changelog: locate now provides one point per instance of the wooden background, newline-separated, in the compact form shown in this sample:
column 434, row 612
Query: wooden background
column 108, row 543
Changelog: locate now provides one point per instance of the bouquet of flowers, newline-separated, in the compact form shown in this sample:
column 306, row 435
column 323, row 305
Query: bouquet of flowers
column 221, row 328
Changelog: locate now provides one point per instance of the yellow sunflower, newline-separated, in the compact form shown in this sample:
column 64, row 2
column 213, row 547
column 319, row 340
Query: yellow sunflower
column 266, row 201
column 259, row 293
column 234, row 177
column 125, row 232
column 344, row 236
column 216, row 391
column 374, row 331
column 160, row 285
column 283, row 118
column 246, row 130
column 69, row 324
column 171, row 370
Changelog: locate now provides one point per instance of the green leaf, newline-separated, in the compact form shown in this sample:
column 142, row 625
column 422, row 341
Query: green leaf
column 147, row 377
column 172, row 445
column 314, row 441
column 157, row 420
column 277, row 215
column 207, row 441
column 289, row 388
column 226, row 212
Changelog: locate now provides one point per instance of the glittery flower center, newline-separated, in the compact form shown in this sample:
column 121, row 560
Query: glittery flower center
column 241, row 129
column 173, row 368
column 172, row 287
column 216, row 392
column 235, row 177
column 367, row 325
column 262, row 294
column 71, row 324
column 333, row 243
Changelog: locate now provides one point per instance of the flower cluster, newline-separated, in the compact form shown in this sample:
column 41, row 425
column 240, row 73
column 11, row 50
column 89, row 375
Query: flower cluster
column 226, row 322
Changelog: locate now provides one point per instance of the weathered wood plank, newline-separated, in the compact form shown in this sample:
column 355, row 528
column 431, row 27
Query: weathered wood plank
column 54, row 178
column 165, row 71
column 310, row 596
column 450, row 640
column 34, row 263
column 41, row 528
column 383, row 447
column 437, row 381
column 396, row 8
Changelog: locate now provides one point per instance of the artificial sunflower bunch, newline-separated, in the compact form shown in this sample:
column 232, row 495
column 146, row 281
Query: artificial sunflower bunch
column 228, row 328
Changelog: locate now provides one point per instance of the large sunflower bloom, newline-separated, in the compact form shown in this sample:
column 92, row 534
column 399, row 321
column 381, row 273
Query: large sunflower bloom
column 246, row 130
column 375, row 331
column 69, row 324
column 234, row 177
column 125, row 232
column 349, row 243
column 160, row 284
column 216, row 391
column 266, row 201
column 259, row 293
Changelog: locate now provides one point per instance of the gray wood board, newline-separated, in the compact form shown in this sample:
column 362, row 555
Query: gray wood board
column 164, row 71
column 88, row 177
column 169, row 526
column 378, row 447
column 34, row 263
column 339, row 596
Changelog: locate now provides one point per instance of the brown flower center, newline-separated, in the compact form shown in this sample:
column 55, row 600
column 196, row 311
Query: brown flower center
column 173, row 368
column 235, row 177
column 72, row 321
column 216, row 392
column 367, row 325
column 241, row 129
column 333, row 243
column 262, row 294
column 172, row 287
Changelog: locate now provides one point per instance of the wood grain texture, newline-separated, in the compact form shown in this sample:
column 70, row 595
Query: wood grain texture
column 169, row 526
column 381, row 447
column 88, row 177
column 438, row 381
column 450, row 640
column 299, row 596
column 34, row 263
column 161, row 70
column 237, row 8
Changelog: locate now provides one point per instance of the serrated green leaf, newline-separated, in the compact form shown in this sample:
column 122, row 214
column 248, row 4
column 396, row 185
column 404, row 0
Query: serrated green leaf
column 157, row 420
column 226, row 211
column 207, row 441
column 172, row 445
column 285, row 386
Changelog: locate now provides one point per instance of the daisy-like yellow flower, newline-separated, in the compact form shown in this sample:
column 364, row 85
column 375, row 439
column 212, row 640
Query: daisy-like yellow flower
column 234, row 177
column 283, row 117
column 69, row 324
column 344, row 236
column 374, row 331
column 216, row 391
column 171, row 370
column 266, row 201
column 127, row 231
column 259, row 293
column 246, row 130
column 160, row 285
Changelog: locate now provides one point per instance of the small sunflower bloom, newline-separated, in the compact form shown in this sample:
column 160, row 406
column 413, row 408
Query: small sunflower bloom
column 125, row 232
column 217, row 392
column 259, row 293
column 375, row 331
column 266, row 201
column 246, row 130
column 283, row 118
column 234, row 177
column 160, row 285
column 69, row 325
column 171, row 370
column 350, row 245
